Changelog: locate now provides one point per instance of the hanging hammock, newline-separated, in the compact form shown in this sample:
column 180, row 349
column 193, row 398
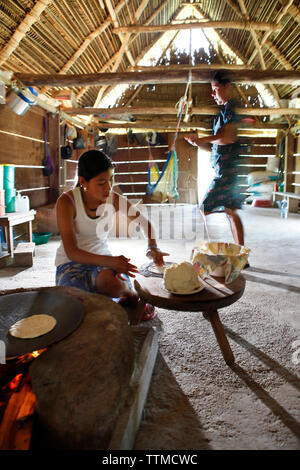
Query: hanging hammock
column 162, row 186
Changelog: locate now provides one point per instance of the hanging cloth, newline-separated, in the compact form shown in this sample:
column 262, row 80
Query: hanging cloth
column 48, row 166
column 163, row 186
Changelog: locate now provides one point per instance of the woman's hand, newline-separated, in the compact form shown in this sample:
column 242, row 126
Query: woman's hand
column 156, row 255
column 120, row 264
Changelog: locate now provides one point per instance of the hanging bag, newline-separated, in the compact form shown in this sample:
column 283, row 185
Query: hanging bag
column 79, row 142
column 47, row 160
column 65, row 150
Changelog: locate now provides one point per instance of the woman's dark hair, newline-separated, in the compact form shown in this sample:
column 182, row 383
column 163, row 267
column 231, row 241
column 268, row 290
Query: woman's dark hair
column 93, row 162
column 221, row 78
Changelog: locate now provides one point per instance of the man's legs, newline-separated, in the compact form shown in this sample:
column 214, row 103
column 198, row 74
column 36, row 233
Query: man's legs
column 236, row 226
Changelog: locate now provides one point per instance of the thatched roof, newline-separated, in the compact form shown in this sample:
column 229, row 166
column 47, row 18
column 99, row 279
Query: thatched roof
column 84, row 38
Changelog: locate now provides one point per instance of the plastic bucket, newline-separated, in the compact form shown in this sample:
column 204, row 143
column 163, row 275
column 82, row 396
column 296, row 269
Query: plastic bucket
column 10, row 200
column 2, row 202
column 8, row 176
column 21, row 100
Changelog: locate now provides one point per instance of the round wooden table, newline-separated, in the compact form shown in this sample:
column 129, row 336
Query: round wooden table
column 216, row 295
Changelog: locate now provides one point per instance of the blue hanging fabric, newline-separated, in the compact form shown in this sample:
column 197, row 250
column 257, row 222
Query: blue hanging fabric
column 48, row 166
column 162, row 186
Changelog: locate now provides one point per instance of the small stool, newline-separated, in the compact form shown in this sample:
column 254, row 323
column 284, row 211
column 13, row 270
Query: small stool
column 215, row 296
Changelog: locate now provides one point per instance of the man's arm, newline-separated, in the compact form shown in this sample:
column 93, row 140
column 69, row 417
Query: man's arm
column 226, row 135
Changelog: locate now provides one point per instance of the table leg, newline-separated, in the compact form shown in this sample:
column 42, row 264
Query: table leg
column 29, row 228
column 219, row 331
column 10, row 241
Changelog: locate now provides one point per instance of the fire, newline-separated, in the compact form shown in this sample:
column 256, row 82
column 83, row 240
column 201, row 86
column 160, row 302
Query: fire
column 15, row 382
column 28, row 357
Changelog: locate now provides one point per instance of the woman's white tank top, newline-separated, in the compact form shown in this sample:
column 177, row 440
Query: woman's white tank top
column 92, row 234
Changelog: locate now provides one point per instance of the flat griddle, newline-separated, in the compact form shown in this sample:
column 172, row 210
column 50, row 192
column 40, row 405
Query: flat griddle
column 66, row 309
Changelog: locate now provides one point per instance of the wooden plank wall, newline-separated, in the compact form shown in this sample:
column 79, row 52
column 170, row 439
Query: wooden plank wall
column 22, row 144
column 132, row 164
column 296, row 182
column 69, row 167
column 255, row 152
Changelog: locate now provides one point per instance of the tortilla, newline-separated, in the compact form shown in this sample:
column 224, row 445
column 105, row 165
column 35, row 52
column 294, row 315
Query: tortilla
column 33, row 326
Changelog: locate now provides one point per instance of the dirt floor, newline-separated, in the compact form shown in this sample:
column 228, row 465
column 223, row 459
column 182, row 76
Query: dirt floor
column 195, row 400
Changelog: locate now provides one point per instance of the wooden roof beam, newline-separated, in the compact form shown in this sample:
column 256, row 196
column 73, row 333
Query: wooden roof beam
column 205, row 24
column 291, row 77
column 31, row 17
column 203, row 110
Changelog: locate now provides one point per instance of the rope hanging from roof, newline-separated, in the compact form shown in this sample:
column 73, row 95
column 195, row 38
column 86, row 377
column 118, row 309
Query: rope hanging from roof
column 183, row 104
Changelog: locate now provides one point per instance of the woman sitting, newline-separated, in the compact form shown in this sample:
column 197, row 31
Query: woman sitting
column 85, row 216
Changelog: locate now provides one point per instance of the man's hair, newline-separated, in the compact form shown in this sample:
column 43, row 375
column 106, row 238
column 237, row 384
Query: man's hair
column 221, row 78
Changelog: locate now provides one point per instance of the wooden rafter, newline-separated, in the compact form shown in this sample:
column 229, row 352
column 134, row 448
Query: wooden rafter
column 293, row 11
column 124, row 40
column 203, row 110
column 224, row 66
column 111, row 61
column 205, row 24
column 291, row 77
column 260, row 54
column 262, row 40
column 23, row 28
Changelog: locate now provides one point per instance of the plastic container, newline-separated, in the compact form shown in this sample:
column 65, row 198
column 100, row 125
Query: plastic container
column 281, row 187
column 284, row 209
column 10, row 200
column 39, row 238
column 1, row 176
column 22, row 203
column 8, row 176
column 21, row 100
column 262, row 203
column 2, row 202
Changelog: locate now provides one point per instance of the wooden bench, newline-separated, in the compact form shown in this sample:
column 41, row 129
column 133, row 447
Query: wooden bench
column 291, row 198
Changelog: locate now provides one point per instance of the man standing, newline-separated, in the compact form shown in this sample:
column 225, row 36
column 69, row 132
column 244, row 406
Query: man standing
column 223, row 194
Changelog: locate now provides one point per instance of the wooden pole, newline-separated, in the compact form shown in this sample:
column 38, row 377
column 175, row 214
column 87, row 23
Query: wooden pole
column 205, row 24
column 25, row 25
column 291, row 77
column 155, row 110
